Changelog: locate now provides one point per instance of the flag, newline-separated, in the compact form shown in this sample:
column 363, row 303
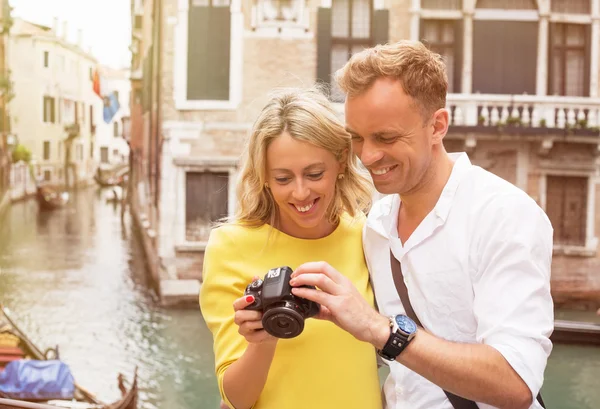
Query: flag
column 96, row 83
column 111, row 106
column 110, row 98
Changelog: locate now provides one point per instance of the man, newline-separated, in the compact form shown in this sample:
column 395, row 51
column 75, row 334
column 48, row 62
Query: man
column 472, row 250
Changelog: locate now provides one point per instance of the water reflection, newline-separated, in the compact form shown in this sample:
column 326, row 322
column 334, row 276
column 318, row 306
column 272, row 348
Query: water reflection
column 76, row 278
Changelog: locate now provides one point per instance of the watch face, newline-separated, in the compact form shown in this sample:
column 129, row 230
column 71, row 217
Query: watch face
column 406, row 324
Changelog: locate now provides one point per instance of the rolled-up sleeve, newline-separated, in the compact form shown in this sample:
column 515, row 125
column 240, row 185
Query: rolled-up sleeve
column 513, row 305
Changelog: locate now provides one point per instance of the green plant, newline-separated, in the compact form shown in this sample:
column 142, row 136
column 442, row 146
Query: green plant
column 6, row 87
column 481, row 120
column 543, row 123
column 582, row 123
column 21, row 153
column 513, row 120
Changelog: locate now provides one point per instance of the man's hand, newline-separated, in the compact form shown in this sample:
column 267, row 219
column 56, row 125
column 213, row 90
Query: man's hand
column 341, row 303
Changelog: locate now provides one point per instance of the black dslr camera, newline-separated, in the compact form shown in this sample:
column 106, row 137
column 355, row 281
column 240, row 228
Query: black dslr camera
column 283, row 312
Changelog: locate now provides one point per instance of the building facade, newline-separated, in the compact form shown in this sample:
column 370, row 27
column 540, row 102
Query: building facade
column 5, row 95
column 53, row 90
column 524, row 85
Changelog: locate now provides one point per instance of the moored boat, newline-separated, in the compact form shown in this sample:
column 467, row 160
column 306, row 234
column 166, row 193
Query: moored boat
column 14, row 346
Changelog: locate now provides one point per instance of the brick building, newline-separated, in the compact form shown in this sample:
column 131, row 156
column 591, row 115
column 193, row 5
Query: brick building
column 524, row 84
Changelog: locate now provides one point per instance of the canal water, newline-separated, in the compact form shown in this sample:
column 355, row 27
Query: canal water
column 76, row 278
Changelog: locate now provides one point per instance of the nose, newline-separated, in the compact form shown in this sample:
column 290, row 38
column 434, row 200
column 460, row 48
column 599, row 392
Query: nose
column 369, row 154
column 301, row 191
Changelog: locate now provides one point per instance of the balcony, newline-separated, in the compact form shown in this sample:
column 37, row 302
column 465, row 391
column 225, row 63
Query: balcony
column 524, row 115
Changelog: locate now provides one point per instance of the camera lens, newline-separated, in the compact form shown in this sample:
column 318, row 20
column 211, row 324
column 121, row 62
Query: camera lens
column 282, row 324
column 283, row 321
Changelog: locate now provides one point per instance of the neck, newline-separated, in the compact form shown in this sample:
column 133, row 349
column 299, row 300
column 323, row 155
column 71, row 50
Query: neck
column 323, row 229
column 418, row 202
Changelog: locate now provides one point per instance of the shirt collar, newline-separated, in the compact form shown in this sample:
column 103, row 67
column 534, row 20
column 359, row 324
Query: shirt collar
column 387, row 208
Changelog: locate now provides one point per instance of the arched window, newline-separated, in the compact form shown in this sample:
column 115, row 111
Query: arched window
column 116, row 129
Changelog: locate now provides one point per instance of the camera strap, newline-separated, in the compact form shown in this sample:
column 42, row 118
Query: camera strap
column 458, row 402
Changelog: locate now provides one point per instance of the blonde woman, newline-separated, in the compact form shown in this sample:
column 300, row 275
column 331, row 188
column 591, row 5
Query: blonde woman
column 301, row 198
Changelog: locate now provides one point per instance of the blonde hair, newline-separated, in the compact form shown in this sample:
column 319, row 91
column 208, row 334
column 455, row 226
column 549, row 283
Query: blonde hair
column 306, row 115
column 421, row 72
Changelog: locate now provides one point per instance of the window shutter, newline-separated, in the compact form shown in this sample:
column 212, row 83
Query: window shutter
column 381, row 26
column 550, row 66
column 458, row 55
column 588, row 60
column 209, row 44
column 324, row 46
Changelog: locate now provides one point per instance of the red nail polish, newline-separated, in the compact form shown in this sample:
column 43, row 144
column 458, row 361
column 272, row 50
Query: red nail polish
column 250, row 298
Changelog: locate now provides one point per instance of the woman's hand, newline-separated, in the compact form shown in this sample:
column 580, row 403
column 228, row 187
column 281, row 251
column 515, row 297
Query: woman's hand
column 250, row 322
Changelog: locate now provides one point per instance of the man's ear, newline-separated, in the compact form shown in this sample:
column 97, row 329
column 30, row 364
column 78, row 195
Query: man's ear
column 440, row 122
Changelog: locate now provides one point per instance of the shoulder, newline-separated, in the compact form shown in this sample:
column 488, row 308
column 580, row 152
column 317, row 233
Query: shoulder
column 232, row 233
column 489, row 195
column 353, row 224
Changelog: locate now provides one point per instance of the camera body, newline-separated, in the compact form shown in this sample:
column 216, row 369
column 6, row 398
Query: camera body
column 283, row 312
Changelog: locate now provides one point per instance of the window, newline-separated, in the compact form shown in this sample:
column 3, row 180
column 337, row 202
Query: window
column 47, row 175
column 209, row 34
column 442, row 4
column 566, row 206
column 46, row 150
column 80, row 152
column 571, row 6
column 46, row 59
column 507, row 4
column 92, row 126
column 569, row 59
column 280, row 10
column 501, row 49
column 116, row 129
column 91, row 150
column 60, row 148
column 68, row 111
column 206, row 202
column 443, row 37
column 115, row 153
column 49, row 110
column 351, row 33
column 104, row 154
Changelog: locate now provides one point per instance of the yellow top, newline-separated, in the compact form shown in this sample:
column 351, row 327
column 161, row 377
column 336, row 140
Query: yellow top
column 324, row 367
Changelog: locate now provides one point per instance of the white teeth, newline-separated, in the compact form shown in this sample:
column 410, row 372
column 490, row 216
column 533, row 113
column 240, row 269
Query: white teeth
column 305, row 209
column 381, row 171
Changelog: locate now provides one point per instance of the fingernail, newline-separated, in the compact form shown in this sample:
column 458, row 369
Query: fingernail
column 292, row 281
column 250, row 298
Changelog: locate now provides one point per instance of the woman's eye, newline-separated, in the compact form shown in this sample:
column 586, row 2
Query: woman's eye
column 316, row 175
column 282, row 180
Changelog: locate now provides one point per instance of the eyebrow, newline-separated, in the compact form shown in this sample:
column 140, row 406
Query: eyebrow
column 378, row 134
column 313, row 165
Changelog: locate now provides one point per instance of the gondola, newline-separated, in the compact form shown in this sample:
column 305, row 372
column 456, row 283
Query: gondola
column 50, row 197
column 15, row 345
column 111, row 176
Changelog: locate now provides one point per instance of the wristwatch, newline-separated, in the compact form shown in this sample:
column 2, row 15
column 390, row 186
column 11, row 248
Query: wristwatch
column 402, row 331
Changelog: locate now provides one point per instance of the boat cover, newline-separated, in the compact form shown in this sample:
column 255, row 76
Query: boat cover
column 29, row 379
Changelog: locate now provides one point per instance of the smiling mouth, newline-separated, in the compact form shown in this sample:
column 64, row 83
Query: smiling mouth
column 306, row 208
column 382, row 171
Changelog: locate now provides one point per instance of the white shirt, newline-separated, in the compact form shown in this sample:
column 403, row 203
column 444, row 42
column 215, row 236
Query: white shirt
column 477, row 270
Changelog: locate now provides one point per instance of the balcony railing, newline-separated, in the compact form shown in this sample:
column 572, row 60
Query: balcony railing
column 527, row 111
